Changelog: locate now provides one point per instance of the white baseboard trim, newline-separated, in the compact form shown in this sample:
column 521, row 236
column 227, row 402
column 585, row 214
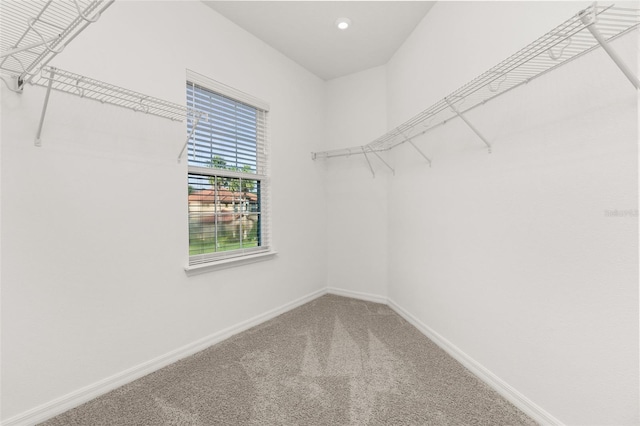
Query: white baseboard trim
column 357, row 295
column 508, row 392
column 73, row 399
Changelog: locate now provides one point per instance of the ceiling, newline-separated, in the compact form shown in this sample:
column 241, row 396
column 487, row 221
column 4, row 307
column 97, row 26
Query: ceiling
column 305, row 31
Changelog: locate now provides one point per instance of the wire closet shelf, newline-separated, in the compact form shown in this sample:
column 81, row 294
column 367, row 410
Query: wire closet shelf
column 85, row 87
column 566, row 42
column 33, row 32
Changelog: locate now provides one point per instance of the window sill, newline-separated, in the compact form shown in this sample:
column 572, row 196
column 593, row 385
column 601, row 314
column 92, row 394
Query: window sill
column 228, row 263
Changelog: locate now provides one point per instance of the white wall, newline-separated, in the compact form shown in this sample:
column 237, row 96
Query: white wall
column 509, row 256
column 356, row 202
column 94, row 223
column 512, row 257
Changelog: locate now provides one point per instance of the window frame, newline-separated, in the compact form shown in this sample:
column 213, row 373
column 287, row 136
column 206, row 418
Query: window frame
column 204, row 262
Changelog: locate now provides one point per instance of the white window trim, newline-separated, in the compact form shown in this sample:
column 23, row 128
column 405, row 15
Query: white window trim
column 216, row 265
column 241, row 258
column 225, row 90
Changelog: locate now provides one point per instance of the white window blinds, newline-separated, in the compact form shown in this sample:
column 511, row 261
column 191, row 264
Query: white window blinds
column 228, row 182
column 232, row 135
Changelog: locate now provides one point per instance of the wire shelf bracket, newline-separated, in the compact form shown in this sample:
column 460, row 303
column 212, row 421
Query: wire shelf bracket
column 38, row 141
column 406, row 139
column 589, row 19
column 364, row 149
column 468, row 123
column 380, row 158
column 368, row 162
column 419, row 151
column 596, row 26
column 89, row 88
column 197, row 116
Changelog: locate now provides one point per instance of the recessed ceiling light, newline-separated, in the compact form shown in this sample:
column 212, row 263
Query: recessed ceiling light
column 343, row 23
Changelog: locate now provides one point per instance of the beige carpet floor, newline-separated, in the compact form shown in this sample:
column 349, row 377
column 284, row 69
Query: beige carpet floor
column 333, row 361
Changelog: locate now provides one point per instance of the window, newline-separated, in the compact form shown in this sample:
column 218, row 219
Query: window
column 227, row 173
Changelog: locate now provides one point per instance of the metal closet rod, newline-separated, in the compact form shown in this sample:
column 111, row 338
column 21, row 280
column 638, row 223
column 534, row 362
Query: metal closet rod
column 571, row 39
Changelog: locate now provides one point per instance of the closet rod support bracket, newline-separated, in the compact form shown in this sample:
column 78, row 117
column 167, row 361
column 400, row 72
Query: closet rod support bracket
column 407, row 139
column 419, row 151
column 368, row 162
column 393, row 172
column 468, row 123
column 38, row 141
column 197, row 118
column 590, row 22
